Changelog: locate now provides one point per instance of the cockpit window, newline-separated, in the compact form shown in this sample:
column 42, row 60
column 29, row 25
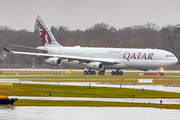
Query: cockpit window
column 169, row 55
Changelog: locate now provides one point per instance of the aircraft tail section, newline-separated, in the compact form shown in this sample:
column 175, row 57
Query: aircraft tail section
column 47, row 38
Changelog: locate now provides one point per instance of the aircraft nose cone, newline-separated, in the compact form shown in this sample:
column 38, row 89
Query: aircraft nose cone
column 175, row 61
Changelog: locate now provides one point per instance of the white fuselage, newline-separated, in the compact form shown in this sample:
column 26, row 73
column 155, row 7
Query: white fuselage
column 123, row 57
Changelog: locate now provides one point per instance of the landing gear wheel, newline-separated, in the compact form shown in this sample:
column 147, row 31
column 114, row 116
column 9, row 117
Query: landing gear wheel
column 89, row 72
column 112, row 73
column 85, row 72
column 117, row 72
column 100, row 72
column 121, row 73
column 161, row 74
column 93, row 72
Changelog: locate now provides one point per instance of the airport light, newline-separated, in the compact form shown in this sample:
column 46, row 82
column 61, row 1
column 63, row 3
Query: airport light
column 162, row 69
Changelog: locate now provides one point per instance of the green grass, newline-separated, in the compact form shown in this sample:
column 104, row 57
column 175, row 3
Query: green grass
column 79, row 77
column 82, row 91
column 91, row 104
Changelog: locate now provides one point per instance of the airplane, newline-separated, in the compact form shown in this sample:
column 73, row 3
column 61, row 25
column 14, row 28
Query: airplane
column 98, row 59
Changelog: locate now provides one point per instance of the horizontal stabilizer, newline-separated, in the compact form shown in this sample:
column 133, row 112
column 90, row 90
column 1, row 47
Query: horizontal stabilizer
column 6, row 49
column 32, row 48
column 19, row 46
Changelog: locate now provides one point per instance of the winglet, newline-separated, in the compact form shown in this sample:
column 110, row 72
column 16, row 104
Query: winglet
column 6, row 49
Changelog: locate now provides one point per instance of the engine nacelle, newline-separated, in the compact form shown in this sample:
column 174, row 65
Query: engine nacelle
column 95, row 65
column 145, row 69
column 53, row 61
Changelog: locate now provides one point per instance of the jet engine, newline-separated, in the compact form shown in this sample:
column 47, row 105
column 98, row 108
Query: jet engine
column 53, row 61
column 95, row 65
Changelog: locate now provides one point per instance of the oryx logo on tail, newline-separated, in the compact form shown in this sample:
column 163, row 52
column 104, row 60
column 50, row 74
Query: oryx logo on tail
column 43, row 34
column 47, row 38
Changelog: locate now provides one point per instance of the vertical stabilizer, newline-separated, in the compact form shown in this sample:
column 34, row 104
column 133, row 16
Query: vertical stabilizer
column 47, row 39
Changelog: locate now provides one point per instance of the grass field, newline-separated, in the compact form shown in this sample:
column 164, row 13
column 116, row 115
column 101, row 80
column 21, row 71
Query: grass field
column 127, row 78
column 91, row 104
column 83, row 91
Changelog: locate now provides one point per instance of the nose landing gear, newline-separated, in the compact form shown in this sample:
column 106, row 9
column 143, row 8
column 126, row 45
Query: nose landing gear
column 161, row 74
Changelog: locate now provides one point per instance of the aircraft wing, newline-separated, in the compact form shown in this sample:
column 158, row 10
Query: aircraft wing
column 63, row 56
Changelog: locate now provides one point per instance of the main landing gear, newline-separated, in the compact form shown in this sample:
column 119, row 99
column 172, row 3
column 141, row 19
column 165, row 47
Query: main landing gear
column 117, row 72
column 92, row 72
column 89, row 72
column 101, row 72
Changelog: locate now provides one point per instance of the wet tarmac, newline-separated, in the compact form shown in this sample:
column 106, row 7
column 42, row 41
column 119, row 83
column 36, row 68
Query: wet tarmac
column 87, row 113
column 132, row 100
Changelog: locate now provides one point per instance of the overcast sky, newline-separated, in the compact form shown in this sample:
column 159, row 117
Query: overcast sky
column 82, row 14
